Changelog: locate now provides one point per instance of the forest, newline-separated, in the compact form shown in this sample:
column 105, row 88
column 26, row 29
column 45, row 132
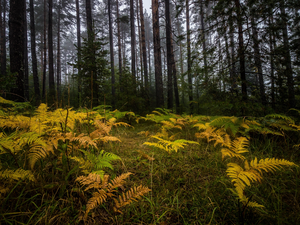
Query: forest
column 186, row 112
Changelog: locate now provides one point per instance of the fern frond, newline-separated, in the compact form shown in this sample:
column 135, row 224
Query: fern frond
column 281, row 117
column 109, row 138
column 128, row 197
column 145, row 156
column 17, row 174
column 236, row 148
column 118, row 181
column 270, row 164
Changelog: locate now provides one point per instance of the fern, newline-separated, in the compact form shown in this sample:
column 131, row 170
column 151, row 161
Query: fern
column 170, row 146
column 253, row 172
column 17, row 174
column 235, row 148
column 105, row 190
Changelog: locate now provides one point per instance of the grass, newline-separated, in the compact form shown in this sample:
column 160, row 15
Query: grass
column 188, row 187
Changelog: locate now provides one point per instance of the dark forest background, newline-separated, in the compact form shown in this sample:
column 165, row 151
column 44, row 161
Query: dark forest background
column 205, row 57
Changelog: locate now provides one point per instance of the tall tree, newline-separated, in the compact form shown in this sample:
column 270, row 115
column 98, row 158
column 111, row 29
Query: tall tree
column 119, row 48
column 50, row 54
column 33, row 54
column 45, row 51
column 16, row 46
column 3, row 39
column 113, row 91
column 189, row 61
column 132, row 29
column 157, row 55
column 78, row 50
column 26, row 79
column 144, row 46
column 58, row 61
column 169, row 55
column 287, row 55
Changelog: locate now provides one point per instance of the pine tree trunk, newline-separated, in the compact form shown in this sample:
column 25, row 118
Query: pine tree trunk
column 132, row 29
column 3, row 41
column 287, row 57
column 79, row 51
column 203, row 43
column 16, row 46
column 58, row 62
column 36, row 83
column 241, row 51
column 119, row 50
column 169, row 55
column 113, row 92
column 144, row 47
column 257, row 60
column 189, row 62
column 271, row 36
column 45, row 53
column 157, row 56
column 26, row 79
column 50, row 55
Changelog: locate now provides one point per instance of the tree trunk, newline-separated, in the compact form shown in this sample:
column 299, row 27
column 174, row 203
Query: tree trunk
column 3, row 41
column 26, row 79
column 169, row 55
column 119, row 50
column 271, row 36
column 16, row 46
column 189, row 67
column 50, row 55
column 45, row 53
column 157, row 56
column 287, row 57
column 241, row 51
column 257, row 60
column 203, row 43
column 144, row 47
column 113, row 92
column 58, row 65
column 33, row 55
column 79, row 51
column 132, row 29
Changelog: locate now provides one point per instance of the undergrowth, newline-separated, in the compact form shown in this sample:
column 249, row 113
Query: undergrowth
column 104, row 167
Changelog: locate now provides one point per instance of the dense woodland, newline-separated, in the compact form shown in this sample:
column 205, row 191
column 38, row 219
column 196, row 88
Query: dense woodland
column 187, row 114
column 207, row 57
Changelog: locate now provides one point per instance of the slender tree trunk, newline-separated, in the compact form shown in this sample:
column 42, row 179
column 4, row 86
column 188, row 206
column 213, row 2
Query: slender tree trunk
column 241, row 51
column 140, row 44
column 50, row 55
column 89, row 20
column 287, row 57
column 45, row 53
column 272, row 64
column 181, row 64
column 16, row 45
column 132, row 29
column 33, row 55
column 26, row 76
column 144, row 47
column 157, row 55
column 3, row 41
column 113, row 92
column 258, row 64
column 119, row 50
column 169, row 55
column 58, row 61
column 189, row 55
column 79, row 51
column 203, row 43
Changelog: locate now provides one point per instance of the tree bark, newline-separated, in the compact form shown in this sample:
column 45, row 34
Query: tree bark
column 257, row 60
column 58, row 65
column 50, row 55
column 113, row 92
column 45, row 52
column 157, row 56
column 26, row 79
column 16, row 46
column 119, row 50
column 3, row 41
column 79, row 51
column 144, row 47
column 241, row 51
column 36, row 83
column 287, row 57
column 132, row 29
column 189, row 62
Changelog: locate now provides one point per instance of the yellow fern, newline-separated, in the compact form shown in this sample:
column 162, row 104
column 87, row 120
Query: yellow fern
column 235, row 148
